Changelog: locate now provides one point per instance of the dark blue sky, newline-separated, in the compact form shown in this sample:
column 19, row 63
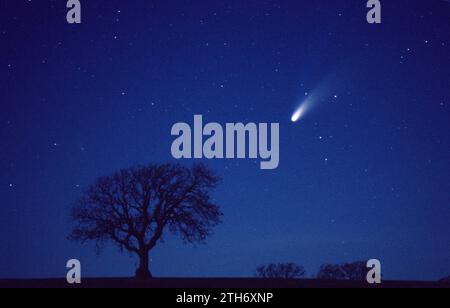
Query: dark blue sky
column 365, row 175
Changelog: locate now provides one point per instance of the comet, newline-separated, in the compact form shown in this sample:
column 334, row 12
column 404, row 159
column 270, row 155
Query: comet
column 301, row 111
column 298, row 114
column 322, row 92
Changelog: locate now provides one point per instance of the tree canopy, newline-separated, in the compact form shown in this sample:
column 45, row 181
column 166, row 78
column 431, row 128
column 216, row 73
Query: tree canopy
column 135, row 207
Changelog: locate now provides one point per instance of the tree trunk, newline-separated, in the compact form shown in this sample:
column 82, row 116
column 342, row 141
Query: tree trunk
column 143, row 273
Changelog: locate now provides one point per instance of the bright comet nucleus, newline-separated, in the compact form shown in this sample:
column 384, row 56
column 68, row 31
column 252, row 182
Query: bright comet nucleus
column 298, row 113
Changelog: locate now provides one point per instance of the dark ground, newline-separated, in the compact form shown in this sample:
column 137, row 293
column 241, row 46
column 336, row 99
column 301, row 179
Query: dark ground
column 225, row 283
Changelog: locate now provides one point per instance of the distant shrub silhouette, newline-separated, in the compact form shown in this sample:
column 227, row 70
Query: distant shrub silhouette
column 356, row 271
column 280, row 270
column 135, row 207
column 445, row 280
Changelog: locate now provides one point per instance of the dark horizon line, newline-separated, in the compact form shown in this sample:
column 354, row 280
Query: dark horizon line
column 214, row 283
column 208, row 278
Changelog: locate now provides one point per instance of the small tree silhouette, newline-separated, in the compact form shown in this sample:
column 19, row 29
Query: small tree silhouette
column 356, row 271
column 280, row 270
column 134, row 208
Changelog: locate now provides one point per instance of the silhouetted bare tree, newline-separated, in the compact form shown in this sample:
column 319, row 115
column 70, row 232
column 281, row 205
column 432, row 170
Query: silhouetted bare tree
column 281, row 270
column 135, row 207
column 356, row 271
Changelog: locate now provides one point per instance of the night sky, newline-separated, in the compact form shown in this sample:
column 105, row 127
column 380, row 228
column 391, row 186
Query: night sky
column 365, row 174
